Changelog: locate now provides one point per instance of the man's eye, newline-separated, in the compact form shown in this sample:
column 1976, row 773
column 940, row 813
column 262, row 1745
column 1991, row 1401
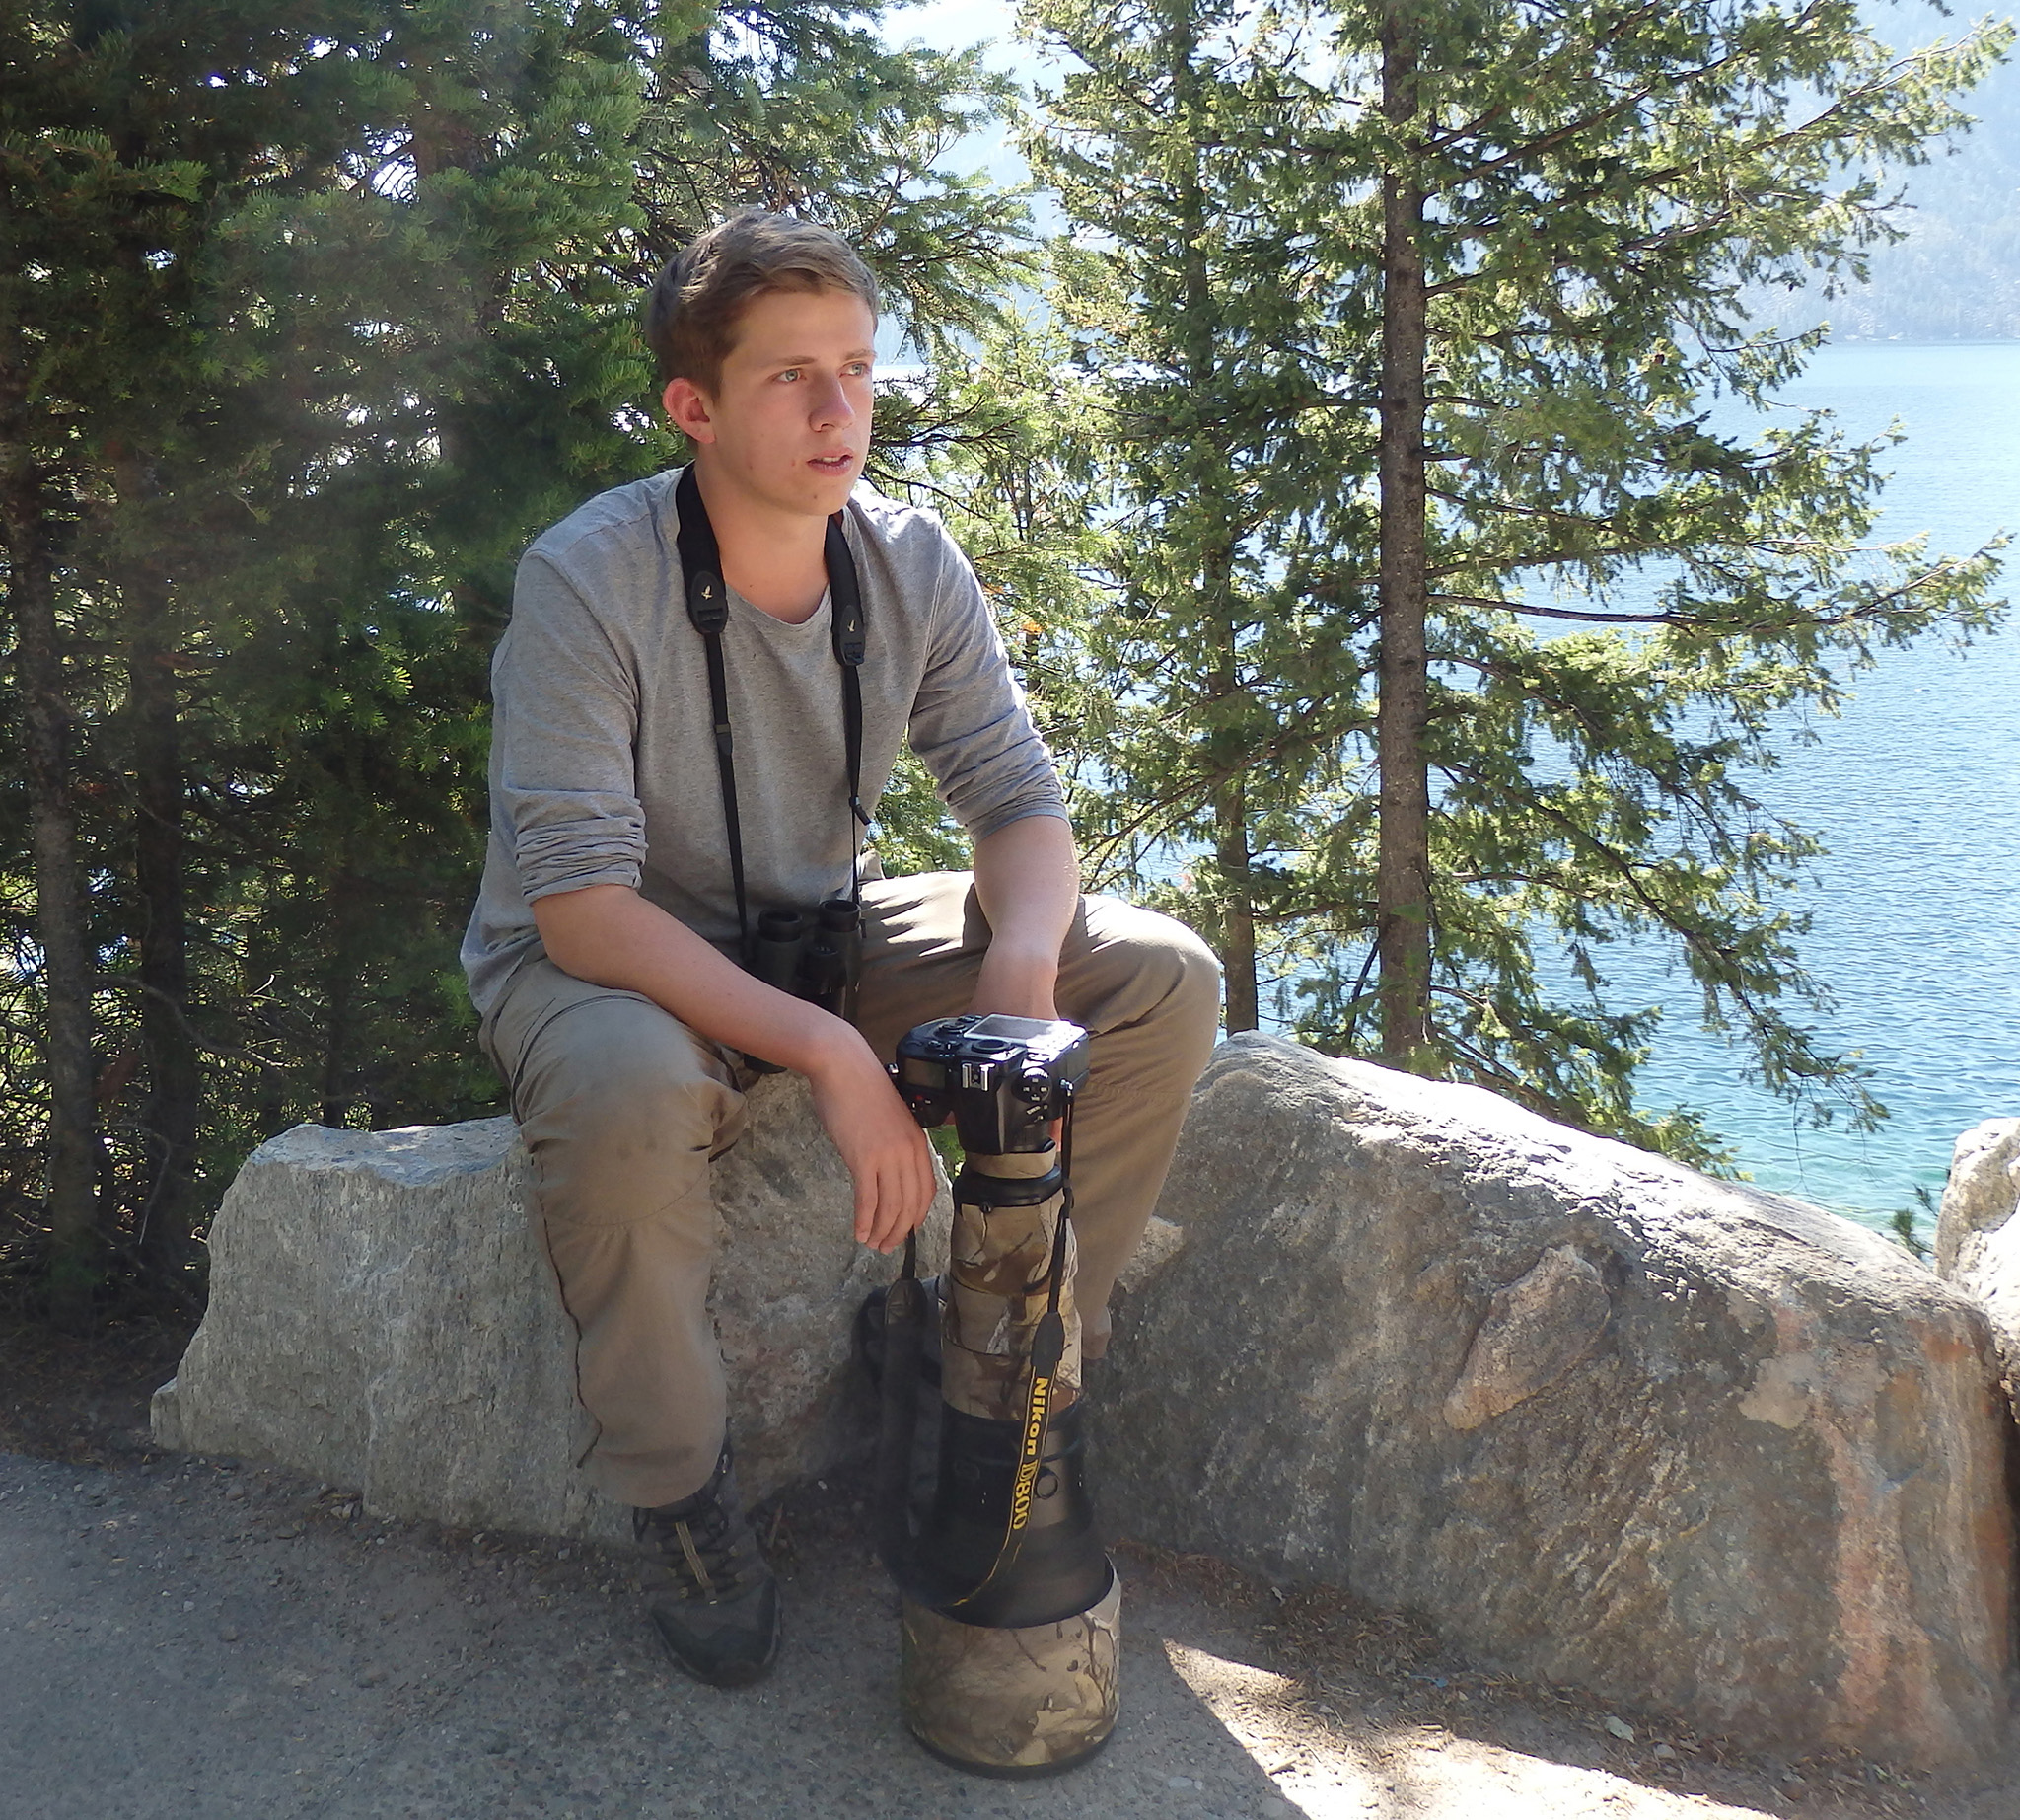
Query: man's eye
column 790, row 373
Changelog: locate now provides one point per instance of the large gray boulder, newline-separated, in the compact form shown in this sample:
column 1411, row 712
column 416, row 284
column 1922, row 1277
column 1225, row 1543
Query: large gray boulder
column 1599, row 1417
column 383, row 1316
column 1978, row 1229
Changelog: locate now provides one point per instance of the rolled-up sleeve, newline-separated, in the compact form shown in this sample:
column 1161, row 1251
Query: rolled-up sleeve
column 564, row 789
column 970, row 725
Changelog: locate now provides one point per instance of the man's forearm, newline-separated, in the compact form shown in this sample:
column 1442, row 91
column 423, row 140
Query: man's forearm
column 608, row 935
column 1027, row 877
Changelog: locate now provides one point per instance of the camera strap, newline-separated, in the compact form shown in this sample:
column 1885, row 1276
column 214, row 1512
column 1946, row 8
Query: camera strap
column 708, row 608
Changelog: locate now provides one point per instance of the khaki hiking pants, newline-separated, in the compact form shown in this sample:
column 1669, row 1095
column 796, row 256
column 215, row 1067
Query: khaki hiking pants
column 622, row 1106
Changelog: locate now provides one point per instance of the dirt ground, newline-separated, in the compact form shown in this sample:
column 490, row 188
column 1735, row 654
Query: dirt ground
column 320, row 1661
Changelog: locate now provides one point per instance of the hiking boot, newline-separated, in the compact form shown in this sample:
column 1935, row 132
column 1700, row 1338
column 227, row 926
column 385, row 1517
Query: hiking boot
column 715, row 1602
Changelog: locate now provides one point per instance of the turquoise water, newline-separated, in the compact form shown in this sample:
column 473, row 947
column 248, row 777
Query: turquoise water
column 1915, row 791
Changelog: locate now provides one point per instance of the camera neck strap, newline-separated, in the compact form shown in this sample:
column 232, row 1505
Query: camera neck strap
column 708, row 608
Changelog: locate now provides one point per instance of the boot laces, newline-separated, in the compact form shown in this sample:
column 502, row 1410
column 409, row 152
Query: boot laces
column 709, row 1549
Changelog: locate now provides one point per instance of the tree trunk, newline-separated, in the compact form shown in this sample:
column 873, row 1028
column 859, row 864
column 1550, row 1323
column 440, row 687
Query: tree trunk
column 337, row 1088
column 61, row 928
column 1238, row 918
column 1403, row 884
column 1231, row 849
column 173, row 1084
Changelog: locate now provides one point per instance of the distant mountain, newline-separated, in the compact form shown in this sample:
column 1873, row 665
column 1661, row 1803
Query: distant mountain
column 1956, row 276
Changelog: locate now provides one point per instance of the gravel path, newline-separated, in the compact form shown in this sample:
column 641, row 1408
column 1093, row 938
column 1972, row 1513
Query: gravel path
column 187, row 1639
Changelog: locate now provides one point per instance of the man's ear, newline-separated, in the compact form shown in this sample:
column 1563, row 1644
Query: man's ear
column 689, row 410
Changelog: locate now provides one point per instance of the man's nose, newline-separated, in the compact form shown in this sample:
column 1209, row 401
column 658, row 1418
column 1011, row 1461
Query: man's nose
column 831, row 407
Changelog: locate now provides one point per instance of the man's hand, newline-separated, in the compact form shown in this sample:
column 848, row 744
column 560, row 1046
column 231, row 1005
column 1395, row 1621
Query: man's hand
column 888, row 1156
column 609, row 935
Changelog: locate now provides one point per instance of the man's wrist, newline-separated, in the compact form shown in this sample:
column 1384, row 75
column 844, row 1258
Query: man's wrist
column 826, row 1044
column 1011, row 948
column 1018, row 980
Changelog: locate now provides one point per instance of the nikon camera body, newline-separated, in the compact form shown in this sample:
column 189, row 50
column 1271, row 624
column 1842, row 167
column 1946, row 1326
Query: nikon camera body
column 1003, row 1080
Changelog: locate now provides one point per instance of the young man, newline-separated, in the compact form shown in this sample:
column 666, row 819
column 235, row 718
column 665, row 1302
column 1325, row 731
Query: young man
column 602, row 951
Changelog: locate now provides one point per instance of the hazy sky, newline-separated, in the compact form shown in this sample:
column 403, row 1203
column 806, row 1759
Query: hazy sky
column 960, row 25
column 955, row 25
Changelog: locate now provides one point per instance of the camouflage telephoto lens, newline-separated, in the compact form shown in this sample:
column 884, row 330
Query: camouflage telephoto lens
column 1011, row 1614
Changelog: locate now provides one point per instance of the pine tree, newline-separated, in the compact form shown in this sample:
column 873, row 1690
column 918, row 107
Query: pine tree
column 1554, row 211
column 474, row 348
column 1564, row 229
column 1213, row 331
column 986, row 440
column 118, row 137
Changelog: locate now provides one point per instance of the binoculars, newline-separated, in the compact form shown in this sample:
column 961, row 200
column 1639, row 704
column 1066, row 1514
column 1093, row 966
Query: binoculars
column 817, row 957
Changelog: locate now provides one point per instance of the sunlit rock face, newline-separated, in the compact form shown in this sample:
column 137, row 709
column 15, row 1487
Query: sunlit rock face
column 1601, row 1418
column 1978, row 1230
column 382, row 1316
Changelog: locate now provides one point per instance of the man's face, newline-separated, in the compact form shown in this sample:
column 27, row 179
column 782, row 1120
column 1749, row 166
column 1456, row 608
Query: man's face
column 788, row 425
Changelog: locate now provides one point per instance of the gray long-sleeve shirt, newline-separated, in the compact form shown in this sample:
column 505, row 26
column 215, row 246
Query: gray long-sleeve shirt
column 603, row 763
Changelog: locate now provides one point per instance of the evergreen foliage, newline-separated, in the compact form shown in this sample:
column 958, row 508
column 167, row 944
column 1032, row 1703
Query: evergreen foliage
column 992, row 441
column 315, row 314
column 1219, row 336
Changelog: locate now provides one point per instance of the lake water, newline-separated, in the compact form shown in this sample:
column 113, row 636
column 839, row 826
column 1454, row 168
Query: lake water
column 1915, row 791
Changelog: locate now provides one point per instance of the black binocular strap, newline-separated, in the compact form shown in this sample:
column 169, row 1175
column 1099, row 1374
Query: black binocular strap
column 708, row 609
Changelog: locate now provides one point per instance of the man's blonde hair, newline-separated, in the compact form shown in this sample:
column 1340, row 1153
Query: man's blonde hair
column 703, row 289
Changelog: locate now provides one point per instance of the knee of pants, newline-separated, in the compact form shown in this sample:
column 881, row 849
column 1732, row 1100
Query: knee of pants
column 1174, row 967
column 625, row 1147
column 1195, row 988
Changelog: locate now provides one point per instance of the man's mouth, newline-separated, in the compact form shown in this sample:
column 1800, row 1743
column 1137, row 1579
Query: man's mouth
column 834, row 464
